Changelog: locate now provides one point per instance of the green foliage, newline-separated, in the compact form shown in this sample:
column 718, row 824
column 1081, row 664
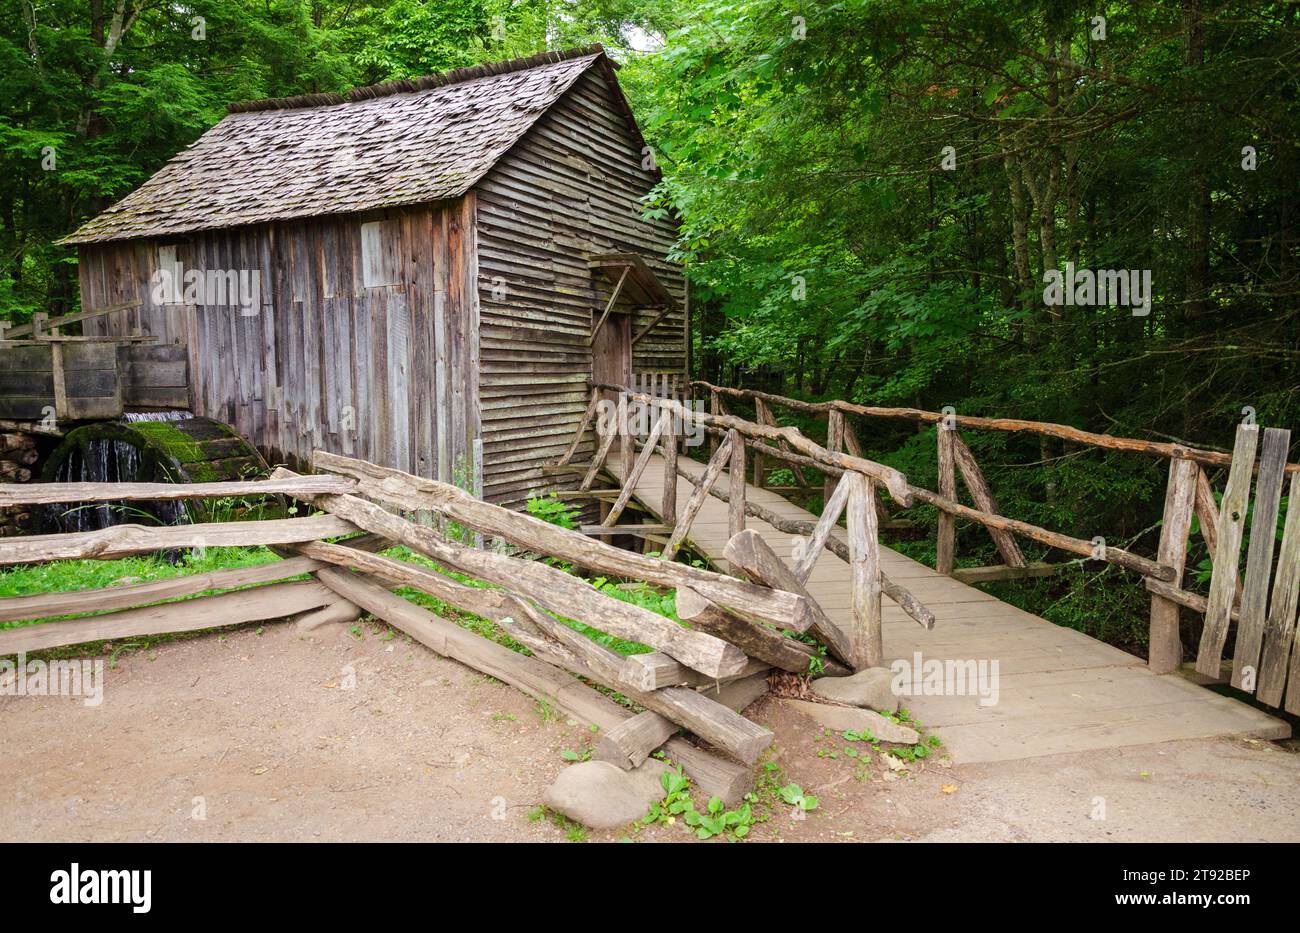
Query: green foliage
column 551, row 508
column 794, row 795
column 714, row 820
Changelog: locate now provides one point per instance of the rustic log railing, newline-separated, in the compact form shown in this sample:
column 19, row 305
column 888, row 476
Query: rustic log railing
column 1263, row 603
column 857, row 477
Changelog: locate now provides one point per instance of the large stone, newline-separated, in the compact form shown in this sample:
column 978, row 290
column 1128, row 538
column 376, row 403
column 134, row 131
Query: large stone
column 871, row 689
column 844, row 718
column 603, row 796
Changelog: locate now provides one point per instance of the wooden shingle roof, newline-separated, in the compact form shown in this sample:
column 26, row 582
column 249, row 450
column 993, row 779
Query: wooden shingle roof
column 406, row 142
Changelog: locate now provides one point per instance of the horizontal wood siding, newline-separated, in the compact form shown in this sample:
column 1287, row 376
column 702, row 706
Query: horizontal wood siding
column 568, row 190
column 386, row 373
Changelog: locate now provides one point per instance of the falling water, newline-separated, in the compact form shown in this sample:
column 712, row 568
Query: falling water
column 105, row 460
column 171, row 414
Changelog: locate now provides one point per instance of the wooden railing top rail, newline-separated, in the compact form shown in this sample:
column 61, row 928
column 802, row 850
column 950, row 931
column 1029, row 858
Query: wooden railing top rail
column 23, row 330
column 1012, row 425
column 51, row 493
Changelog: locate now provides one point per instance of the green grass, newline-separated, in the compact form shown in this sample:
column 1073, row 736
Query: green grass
column 67, row 576
column 74, row 575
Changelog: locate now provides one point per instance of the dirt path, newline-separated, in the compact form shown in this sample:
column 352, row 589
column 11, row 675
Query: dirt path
column 260, row 736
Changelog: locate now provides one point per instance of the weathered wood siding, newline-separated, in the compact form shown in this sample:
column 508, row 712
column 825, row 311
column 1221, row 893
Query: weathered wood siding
column 569, row 189
column 386, row 373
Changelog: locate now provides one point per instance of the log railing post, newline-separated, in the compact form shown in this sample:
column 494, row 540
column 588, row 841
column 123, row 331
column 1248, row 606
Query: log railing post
column 626, row 448
column 946, row 540
column 1165, row 650
column 668, row 506
column 834, row 444
column 864, row 564
column 715, row 408
column 736, row 489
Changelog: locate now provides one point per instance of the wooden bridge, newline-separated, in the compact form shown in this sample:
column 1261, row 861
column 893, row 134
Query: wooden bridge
column 1058, row 689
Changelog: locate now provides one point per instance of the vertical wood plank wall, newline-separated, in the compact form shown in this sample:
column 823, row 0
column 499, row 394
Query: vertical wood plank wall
column 387, row 373
column 569, row 189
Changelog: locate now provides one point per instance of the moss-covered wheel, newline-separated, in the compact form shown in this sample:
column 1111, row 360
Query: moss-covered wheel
column 185, row 450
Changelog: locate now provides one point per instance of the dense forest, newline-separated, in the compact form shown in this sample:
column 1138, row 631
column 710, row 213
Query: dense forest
column 886, row 201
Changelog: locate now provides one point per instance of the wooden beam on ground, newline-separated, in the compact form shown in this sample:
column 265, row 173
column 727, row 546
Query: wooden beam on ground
column 14, row 494
column 634, row 740
column 996, row 573
column 123, row 540
column 258, row 604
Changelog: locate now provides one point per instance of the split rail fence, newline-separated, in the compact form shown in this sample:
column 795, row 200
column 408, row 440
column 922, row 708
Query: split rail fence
column 690, row 686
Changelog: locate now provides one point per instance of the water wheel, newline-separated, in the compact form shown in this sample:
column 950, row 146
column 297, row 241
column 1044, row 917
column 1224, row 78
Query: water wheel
column 174, row 448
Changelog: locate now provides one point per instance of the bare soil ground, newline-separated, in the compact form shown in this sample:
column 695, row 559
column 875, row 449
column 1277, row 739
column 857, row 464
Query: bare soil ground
column 254, row 737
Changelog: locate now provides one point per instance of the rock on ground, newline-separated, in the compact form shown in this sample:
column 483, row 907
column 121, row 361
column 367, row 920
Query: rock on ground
column 603, row 796
column 841, row 718
column 871, row 688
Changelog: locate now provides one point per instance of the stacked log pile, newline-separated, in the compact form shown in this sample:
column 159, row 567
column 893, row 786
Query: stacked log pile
column 18, row 456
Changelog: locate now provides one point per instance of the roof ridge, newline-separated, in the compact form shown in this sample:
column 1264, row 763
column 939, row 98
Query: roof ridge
column 411, row 85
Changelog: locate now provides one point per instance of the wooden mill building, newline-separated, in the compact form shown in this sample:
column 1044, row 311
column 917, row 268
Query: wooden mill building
column 432, row 260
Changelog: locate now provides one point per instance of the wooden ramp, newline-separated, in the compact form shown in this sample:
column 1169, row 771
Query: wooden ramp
column 1059, row 690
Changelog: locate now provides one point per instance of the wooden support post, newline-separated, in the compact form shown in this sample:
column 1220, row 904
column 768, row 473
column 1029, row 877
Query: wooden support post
column 715, row 408
column 587, row 417
column 626, row 447
column 631, row 478
column 736, row 484
column 1165, row 652
column 696, row 500
column 984, row 501
column 602, row 452
column 668, row 505
column 1232, row 521
column 765, row 417
column 830, row 516
column 834, row 444
column 946, row 544
column 1259, row 559
column 1282, row 612
column 864, row 564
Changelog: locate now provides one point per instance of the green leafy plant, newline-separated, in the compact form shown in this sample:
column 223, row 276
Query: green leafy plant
column 794, row 795
column 554, row 510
